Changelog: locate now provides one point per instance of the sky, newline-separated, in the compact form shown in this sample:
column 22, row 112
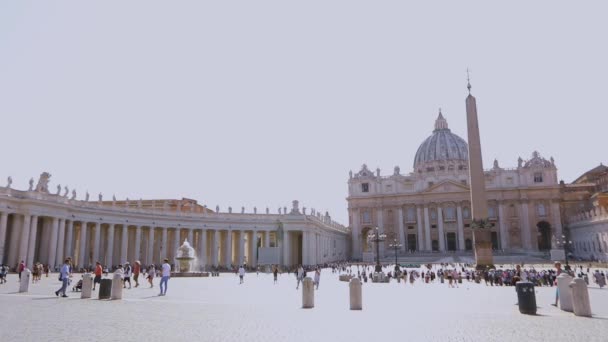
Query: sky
column 258, row 103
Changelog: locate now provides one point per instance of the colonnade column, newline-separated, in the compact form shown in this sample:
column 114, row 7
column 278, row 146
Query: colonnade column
column 164, row 245
column 32, row 243
column 53, row 243
column 440, row 228
column 69, row 243
column 3, row 220
column 123, row 243
column 191, row 236
column 82, row 244
column 427, row 229
column 176, row 241
column 525, row 225
column 253, row 249
column 241, row 246
column 228, row 249
column 24, row 239
column 110, row 250
column 504, row 237
column 137, row 255
column 96, row 242
column 150, row 256
column 286, row 247
column 60, row 243
column 420, row 246
column 215, row 247
column 202, row 248
column 460, row 228
column 400, row 227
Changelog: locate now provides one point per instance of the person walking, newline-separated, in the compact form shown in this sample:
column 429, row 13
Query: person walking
column 21, row 268
column 151, row 274
column 164, row 280
column 275, row 273
column 64, row 275
column 299, row 276
column 98, row 274
column 136, row 271
column 241, row 274
column 127, row 278
column 317, row 277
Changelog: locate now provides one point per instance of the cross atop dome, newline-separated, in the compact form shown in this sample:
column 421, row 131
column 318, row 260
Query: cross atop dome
column 441, row 122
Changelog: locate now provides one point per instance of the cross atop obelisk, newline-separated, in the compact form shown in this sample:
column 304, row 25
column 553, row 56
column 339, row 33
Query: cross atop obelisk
column 479, row 207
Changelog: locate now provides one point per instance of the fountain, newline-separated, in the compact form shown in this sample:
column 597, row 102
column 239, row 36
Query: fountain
column 186, row 262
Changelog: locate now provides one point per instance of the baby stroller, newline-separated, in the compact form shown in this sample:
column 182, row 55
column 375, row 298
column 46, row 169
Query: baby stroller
column 78, row 286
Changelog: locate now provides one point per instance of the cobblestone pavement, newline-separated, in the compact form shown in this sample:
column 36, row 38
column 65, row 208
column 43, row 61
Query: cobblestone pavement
column 219, row 309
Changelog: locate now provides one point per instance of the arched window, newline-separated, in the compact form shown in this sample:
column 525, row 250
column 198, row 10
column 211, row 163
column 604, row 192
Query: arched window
column 542, row 212
column 466, row 212
column 411, row 214
column 450, row 213
column 367, row 217
column 433, row 214
column 491, row 211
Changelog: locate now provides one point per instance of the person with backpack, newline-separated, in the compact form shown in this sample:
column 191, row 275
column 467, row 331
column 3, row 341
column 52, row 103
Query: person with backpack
column 127, row 277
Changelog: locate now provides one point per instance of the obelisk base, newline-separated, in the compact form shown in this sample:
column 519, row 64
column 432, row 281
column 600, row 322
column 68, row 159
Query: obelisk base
column 484, row 258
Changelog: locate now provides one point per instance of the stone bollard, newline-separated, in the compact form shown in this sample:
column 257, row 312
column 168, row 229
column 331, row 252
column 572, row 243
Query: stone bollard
column 24, row 283
column 116, row 286
column 580, row 298
column 356, row 300
column 308, row 293
column 563, row 288
column 87, row 284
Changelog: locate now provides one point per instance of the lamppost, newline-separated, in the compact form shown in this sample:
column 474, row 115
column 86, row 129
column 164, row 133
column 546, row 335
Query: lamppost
column 376, row 237
column 565, row 243
column 396, row 246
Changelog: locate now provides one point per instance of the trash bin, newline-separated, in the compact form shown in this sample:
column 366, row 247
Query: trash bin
column 105, row 289
column 526, row 297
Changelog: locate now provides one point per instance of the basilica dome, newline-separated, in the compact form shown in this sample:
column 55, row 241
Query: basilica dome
column 442, row 148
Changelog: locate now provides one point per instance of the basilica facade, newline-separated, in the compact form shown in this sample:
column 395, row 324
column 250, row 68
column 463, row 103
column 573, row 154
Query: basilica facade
column 428, row 209
column 39, row 226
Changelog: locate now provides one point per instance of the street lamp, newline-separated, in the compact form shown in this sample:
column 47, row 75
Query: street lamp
column 376, row 237
column 395, row 246
column 565, row 243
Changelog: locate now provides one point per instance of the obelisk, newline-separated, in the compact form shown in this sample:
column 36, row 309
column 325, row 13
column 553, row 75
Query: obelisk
column 479, row 208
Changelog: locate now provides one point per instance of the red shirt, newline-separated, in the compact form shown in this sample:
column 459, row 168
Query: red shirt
column 98, row 271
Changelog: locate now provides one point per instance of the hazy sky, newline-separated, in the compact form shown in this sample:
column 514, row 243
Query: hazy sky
column 257, row 103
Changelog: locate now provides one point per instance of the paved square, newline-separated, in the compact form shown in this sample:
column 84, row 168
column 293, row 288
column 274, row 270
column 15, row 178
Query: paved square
column 219, row 309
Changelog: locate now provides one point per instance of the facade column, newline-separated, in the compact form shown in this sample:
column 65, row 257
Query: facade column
column 53, row 243
column 3, row 221
column 191, row 236
column 176, row 241
column 253, row 249
column 137, row 255
column 110, row 249
column 420, row 236
column 557, row 220
column 286, row 248
column 525, row 225
column 164, row 245
column 123, row 243
column 202, row 248
column 400, row 227
column 69, row 249
column 24, row 239
column 96, row 242
column 228, row 249
column 305, row 246
column 82, row 244
column 60, row 243
column 427, row 229
column 241, row 244
column 267, row 238
column 440, row 228
column 504, row 235
column 380, row 220
column 32, row 243
column 150, row 254
column 460, row 227
column 215, row 244
column 357, row 250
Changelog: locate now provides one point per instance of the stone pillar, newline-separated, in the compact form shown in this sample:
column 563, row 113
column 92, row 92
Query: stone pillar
column 13, row 244
column 24, row 239
column 441, row 234
column 308, row 293
column 150, row 254
column 176, row 241
column 380, row 217
column 460, row 227
column 253, row 248
column 420, row 236
column 502, row 221
column 241, row 245
column 356, row 300
column 202, row 248
column 110, row 248
column 266, row 238
column 557, row 220
column 137, row 255
column 31, row 250
column 357, row 251
column 123, row 243
column 69, row 245
column 525, row 225
column 3, row 220
column 164, row 245
column 400, row 227
column 427, row 229
column 60, row 243
column 191, row 236
column 228, row 249
column 97, row 242
column 286, row 248
column 82, row 244
column 53, row 243
column 215, row 243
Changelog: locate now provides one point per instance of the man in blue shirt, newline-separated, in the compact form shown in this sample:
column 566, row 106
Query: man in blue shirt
column 64, row 275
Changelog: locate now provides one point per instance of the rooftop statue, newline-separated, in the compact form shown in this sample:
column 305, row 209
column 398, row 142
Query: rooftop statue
column 43, row 182
column 31, row 184
column 9, row 181
column 73, row 194
column 66, row 191
column 58, row 189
